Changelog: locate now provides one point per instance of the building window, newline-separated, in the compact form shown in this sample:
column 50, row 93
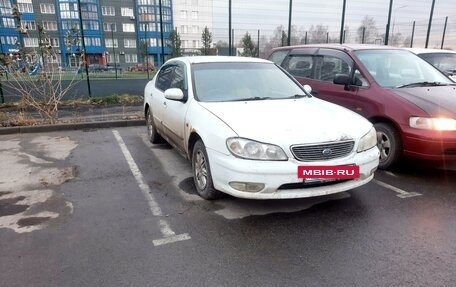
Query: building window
column 195, row 29
column 28, row 25
column 9, row 40
column 194, row 14
column 146, row 2
column 47, row 8
column 127, row 12
column 184, row 29
column 109, row 27
column 69, row 11
column 92, row 41
column 25, row 6
column 130, row 43
column 70, row 25
column 89, row 11
column 54, row 42
column 196, row 43
column 5, row 7
column 49, row 25
column 9, row 23
column 110, row 58
column 91, row 25
column 131, row 58
column 128, row 27
column 152, row 42
column 108, row 43
column 183, row 14
column 108, row 11
column 31, row 42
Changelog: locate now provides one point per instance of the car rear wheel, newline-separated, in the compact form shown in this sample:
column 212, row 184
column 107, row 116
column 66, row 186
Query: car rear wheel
column 202, row 173
column 389, row 144
column 152, row 133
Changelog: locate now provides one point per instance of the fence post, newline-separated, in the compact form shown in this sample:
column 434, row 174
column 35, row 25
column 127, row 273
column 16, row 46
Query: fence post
column 364, row 34
column 444, row 31
column 229, row 28
column 258, row 41
column 342, row 22
column 430, row 24
column 413, row 35
column 289, row 23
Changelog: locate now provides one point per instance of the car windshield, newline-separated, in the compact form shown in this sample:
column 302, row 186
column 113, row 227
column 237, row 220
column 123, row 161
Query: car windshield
column 400, row 68
column 445, row 62
column 242, row 81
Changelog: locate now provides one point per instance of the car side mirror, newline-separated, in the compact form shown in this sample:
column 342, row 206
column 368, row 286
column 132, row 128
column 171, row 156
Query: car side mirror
column 174, row 94
column 341, row 79
column 308, row 89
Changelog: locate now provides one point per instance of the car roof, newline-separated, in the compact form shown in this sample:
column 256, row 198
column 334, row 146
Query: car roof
column 429, row 51
column 345, row 47
column 218, row 59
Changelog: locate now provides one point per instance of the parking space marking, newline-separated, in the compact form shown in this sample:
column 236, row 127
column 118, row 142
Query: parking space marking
column 401, row 193
column 177, row 164
column 168, row 235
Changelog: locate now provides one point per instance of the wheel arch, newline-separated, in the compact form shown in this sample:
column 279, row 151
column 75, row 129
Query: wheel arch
column 192, row 139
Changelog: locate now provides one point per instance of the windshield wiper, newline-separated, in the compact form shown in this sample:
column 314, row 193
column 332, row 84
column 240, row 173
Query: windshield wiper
column 423, row 84
column 298, row 96
column 253, row 99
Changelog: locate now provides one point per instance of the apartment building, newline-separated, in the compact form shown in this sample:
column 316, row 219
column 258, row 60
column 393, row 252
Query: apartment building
column 190, row 19
column 120, row 32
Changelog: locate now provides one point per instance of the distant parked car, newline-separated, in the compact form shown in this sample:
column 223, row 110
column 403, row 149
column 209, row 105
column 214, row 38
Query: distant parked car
column 250, row 130
column 141, row 67
column 97, row 68
column 444, row 60
column 411, row 103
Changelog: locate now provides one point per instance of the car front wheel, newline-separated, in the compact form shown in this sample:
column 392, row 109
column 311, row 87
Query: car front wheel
column 202, row 173
column 154, row 137
column 389, row 144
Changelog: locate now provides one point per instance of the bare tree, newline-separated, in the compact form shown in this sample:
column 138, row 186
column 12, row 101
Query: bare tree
column 367, row 32
column 318, row 34
column 35, row 75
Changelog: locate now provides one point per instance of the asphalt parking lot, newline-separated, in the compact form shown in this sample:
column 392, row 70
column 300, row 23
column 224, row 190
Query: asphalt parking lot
column 103, row 207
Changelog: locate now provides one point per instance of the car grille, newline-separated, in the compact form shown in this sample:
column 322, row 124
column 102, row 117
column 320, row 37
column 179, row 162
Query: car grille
column 318, row 152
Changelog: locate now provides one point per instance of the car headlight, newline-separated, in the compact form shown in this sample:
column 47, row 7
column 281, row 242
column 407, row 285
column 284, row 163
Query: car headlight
column 368, row 141
column 249, row 149
column 437, row 124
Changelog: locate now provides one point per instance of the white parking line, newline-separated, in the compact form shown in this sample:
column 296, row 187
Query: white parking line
column 168, row 235
column 401, row 193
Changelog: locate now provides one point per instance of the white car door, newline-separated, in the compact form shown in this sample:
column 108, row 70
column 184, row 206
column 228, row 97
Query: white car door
column 175, row 111
column 158, row 103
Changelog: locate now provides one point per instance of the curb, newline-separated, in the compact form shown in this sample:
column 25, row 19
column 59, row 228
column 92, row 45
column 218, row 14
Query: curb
column 72, row 126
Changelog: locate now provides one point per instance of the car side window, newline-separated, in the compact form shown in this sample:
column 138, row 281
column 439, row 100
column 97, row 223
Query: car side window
column 329, row 66
column 278, row 56
column 164, row 77
column 178, row 81
column 359, row 79
column 299, row 65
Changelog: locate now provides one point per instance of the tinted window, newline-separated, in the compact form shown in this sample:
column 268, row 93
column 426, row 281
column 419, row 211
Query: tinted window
column 278, row 56
column 178, row 80
column 329, row 66
column 299, row 65
column 163, row 81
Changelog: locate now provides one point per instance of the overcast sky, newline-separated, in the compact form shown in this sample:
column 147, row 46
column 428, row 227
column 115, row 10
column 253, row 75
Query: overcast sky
column 266, row 15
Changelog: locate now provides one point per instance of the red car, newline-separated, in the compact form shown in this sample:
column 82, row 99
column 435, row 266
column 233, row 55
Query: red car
column 141, row 67
column 411, row 104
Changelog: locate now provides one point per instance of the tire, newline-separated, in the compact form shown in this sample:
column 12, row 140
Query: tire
column 389, row 144
column 201, row 170
column 152, row 133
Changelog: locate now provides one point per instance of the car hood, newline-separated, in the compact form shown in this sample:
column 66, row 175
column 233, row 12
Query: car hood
column 285, row 122
column 436, row 101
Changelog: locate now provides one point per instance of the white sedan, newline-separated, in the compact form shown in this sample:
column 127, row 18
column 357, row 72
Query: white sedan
column 252, row 131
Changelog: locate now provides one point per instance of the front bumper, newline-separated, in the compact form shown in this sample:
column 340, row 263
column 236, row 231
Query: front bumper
column 430, row 145
column 280, row 178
